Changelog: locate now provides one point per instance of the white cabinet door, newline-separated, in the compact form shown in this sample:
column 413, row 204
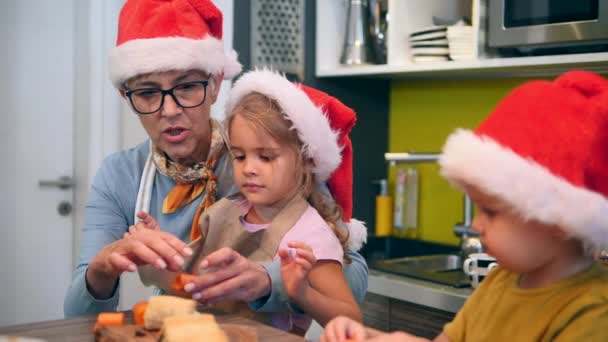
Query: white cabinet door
column 36, row 144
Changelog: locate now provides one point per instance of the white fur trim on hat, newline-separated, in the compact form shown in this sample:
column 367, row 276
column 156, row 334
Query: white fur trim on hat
column 312, row 125
column 357, row 234
column 142, row 56
column 530, row 188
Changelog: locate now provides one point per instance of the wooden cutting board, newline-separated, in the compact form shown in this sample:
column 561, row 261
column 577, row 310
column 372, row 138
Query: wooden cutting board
column 132, row 332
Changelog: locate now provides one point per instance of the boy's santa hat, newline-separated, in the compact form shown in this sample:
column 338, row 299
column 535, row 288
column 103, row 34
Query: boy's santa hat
column 323, row 124
column 156, row 36
column 544, row 151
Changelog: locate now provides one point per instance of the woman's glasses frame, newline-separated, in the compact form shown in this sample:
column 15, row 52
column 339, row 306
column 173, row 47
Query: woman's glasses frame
column 164, row 93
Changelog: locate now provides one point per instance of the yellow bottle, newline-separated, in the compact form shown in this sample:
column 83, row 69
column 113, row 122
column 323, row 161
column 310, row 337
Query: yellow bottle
column 384, row 211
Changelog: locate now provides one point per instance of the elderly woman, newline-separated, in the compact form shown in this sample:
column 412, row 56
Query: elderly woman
column 169, row 63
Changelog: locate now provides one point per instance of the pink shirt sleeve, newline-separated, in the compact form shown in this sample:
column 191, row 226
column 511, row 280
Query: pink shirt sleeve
column 315, row 232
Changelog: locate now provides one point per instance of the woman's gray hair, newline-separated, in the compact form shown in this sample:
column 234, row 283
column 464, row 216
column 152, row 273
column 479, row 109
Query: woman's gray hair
column 211, row 83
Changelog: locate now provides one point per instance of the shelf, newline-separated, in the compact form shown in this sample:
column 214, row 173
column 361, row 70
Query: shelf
column 414, row 14
column 492, row 67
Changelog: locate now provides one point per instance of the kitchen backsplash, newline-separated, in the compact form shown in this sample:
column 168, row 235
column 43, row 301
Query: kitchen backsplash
column 422, row 113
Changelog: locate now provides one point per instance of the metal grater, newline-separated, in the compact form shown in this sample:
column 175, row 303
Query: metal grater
column 277, row 35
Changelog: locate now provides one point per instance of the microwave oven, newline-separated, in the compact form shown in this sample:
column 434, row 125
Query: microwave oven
column 546, row 24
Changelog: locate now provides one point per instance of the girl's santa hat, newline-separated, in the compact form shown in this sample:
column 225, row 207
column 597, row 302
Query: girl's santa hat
column 323, row 124
column 156, row 36
column 544, row 151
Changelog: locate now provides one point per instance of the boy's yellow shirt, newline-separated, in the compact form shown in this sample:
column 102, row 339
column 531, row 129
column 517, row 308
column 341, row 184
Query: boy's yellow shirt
column 573, row 309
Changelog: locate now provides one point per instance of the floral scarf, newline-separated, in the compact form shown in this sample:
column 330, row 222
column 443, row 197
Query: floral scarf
column 192, row 181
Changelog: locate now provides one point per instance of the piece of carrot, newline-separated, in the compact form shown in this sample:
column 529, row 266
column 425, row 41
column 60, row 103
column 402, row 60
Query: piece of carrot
column 106, row 319
column 180, row 282
column 139, row 309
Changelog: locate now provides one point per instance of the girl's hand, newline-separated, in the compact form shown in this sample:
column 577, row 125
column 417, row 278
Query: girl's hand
column 295, row 268
column 229, row 276
column 341, row 329
column 146, row 221
column 149, row 221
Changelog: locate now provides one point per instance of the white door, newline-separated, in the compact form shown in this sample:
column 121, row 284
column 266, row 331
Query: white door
column 36, row 144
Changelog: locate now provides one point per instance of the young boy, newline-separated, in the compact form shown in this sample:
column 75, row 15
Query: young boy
column 537, row 170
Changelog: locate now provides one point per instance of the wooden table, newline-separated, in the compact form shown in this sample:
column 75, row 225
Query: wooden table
column 81, row 329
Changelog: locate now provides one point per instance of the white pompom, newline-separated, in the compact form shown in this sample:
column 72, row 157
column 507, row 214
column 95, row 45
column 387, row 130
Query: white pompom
column 357, row 234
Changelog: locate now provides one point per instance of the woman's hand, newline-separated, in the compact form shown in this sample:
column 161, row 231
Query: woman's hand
column 228, row 275
column 143, row 244
column 295, row 268
column 146, row 244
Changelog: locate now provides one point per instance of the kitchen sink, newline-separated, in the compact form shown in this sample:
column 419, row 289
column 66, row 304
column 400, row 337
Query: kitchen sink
column 439, row 262
column 439, row 268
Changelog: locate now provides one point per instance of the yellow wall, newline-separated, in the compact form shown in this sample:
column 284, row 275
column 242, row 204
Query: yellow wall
column 422, row 114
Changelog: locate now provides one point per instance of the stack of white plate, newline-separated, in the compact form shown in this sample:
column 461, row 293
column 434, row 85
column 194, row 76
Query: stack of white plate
column 429, row 44
column 461, row 43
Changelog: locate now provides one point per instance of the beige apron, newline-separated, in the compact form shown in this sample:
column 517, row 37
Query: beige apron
column 220, row 227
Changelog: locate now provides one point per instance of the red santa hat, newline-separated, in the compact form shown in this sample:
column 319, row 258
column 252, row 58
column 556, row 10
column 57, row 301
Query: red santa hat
column 544, row 151
column 323, row 124
column 156, row 36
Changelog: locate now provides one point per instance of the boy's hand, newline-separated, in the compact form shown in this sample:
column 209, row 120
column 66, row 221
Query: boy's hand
column 296, row 263
column 397, row 336
column 342, row 329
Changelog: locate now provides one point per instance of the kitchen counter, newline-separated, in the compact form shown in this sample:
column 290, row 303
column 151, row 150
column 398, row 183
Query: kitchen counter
column 417, row 291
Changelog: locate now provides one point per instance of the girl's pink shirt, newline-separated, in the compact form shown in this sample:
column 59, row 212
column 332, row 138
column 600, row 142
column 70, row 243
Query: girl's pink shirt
column 316, row 233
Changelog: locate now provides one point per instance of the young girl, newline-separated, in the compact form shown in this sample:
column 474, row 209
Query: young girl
column 536, row 169
column 283, row 147
column 287, row 140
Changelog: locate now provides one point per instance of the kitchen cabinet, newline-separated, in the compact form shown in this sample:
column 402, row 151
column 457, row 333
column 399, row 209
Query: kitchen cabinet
column 405, row 16
column 389, row 314
column 416, row 306
column 375, row 310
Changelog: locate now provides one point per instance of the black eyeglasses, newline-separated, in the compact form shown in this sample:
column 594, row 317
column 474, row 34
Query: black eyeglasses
column 151, row 100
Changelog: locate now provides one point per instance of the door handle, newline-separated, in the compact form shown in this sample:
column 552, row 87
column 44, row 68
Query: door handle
column 63, row 183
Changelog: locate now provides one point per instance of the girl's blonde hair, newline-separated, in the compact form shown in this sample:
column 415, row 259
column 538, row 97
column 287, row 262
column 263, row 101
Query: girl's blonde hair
column 262, row 112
